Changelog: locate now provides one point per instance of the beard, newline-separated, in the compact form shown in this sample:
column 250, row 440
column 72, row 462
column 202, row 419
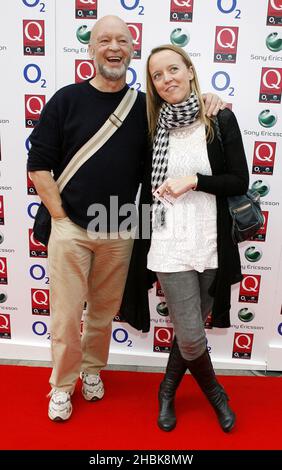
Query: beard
column 113, row 74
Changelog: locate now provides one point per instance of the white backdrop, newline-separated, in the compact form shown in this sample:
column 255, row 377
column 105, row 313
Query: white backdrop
column 236, row 47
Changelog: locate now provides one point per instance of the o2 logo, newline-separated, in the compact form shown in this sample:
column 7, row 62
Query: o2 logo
column 32, row 74
column 221, row 81
column 34, row 3
column 132, row 80
column 120, row 335
column 38, row 273
column 27, row 144
column 39, row 328
column 32, row 209
column 132, row 5
column 228, row 6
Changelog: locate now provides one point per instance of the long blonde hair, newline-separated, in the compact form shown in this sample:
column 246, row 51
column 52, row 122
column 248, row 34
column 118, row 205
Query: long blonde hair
column 154, row 101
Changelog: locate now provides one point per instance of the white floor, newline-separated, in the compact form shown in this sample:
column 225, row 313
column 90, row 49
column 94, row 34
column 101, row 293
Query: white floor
column 147, row 369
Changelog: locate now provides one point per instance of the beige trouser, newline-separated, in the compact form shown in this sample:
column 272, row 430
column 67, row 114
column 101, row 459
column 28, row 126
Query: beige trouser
column 80, row 269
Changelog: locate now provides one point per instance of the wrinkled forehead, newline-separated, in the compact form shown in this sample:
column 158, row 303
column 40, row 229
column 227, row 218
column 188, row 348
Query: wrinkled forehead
column 112, row 27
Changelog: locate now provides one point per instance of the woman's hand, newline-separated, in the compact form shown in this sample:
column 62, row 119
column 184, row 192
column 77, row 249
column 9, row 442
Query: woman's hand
column 178, row 186
column 213, row 103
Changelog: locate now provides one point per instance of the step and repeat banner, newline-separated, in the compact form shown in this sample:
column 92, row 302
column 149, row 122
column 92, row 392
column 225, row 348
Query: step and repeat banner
column 236, row 47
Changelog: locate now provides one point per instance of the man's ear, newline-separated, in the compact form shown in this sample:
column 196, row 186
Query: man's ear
column 91, row 51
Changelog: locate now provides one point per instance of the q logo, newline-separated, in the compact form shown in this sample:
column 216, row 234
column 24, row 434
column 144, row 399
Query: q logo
column 33, row 108
column 2, row 218
column 30, row 186
column 242, row 346
column 40, row 301
column 136, row 33
column 274, row 13
column 181, row 10
column 86, row 9
column 226, row 40
column 5, row 326
column 249, row 288
column 270, row 85
column 3, row 271
column 263, row 157
column 36, row 248
column 162, row 339
column 33, row 37
column 84, row 70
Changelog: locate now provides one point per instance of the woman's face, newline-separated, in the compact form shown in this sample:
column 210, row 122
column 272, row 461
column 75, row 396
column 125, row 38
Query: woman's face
column 170, row 76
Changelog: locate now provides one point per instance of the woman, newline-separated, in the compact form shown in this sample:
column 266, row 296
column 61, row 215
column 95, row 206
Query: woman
column 191, row 249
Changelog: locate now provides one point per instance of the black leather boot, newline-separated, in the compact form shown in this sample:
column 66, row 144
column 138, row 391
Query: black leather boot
column 203, row 372
column 175, row 370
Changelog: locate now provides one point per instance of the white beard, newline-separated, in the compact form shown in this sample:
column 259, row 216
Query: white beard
column 113, row 74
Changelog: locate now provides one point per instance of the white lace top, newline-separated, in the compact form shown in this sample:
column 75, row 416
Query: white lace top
column 188, row 240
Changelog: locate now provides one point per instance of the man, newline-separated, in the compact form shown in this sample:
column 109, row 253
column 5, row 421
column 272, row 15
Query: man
column 83, row 267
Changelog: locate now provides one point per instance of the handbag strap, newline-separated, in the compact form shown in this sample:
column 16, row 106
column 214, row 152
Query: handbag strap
column 113, row 123
column 218, row 132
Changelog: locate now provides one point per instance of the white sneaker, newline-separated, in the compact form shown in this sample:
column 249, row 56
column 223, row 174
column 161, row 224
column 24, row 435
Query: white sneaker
column 60, row 407
column 92, row 386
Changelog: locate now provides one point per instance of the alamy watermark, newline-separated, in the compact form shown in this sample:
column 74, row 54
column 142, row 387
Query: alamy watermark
column 129, row 221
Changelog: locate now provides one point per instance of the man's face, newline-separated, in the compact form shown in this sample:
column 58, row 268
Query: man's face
column 112, row 48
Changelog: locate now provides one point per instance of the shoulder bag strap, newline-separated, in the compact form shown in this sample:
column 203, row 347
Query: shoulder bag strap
column 114, row 121
column 218, row 132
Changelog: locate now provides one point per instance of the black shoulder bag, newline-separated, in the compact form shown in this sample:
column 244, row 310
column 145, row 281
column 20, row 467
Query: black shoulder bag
column 245, row 210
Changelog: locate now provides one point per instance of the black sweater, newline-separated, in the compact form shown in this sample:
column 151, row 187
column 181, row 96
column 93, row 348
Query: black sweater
column 71, row 117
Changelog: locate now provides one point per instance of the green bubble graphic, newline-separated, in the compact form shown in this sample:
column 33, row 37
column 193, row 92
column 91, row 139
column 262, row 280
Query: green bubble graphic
column 83, row 35
column 267, row 118
column 274, row 42
column 178, row 37
column 252, row 254
column 245, row 315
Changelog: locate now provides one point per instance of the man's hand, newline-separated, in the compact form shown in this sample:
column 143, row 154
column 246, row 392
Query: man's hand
column 213, row 103
column 47, row 190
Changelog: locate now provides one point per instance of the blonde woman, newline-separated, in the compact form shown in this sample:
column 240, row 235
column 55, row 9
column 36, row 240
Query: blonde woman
column 191, row 250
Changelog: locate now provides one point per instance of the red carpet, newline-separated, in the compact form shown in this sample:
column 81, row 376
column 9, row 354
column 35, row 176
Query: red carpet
column 126, row 417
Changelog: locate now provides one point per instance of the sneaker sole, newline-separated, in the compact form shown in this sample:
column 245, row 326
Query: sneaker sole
column 95, row 398
column 59, row 419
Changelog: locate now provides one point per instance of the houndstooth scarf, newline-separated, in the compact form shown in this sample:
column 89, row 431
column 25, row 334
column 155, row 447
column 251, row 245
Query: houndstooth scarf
column 171, row 116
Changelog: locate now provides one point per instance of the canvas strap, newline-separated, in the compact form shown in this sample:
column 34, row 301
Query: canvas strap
column 87, row 151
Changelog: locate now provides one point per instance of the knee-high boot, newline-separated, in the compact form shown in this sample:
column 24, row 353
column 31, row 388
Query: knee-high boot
column 175, row 370
column 202, row 370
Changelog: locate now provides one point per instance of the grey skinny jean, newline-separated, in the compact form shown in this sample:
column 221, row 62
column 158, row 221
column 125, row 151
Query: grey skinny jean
column 189, row 304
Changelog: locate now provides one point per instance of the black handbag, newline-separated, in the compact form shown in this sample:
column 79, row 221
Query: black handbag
column 42, row 225
column 245, row 210
column 246, row 214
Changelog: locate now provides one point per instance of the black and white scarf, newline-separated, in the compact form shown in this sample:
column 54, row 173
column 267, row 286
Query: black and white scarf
column 171, row 116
